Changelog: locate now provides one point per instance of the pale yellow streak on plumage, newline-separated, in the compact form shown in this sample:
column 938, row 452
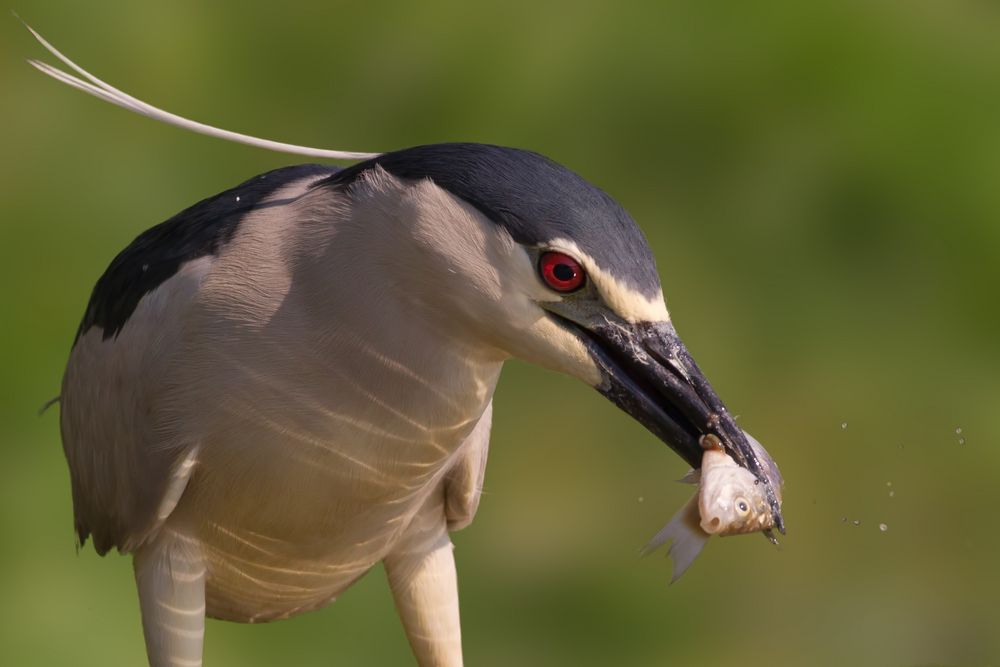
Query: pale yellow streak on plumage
column 185, row 662
column 371, row 396
column 185, row 577
column 182, row 632
column 241, row 540
column 285, row 590
column 388, row 363
column 296, row 396
column 333, row 471
column 326, row 447
column 194, row 611
column 269, row 538
column 324, row 569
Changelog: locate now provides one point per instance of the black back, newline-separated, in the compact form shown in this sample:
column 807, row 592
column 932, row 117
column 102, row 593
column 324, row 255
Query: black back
column 156, row 254
column 534, row 198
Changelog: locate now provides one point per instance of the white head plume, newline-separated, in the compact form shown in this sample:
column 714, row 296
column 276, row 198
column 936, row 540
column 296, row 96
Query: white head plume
column 108, row 93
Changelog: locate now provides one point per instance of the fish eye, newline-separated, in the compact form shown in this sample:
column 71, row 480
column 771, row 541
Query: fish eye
column 742, row 506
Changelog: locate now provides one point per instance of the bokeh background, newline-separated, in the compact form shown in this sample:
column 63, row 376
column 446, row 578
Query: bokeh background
column 821, row 185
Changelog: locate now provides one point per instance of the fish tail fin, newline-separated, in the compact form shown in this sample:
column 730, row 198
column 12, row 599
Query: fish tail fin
column 686, row 534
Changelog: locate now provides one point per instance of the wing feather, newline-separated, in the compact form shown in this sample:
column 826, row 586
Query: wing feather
column 464, row 483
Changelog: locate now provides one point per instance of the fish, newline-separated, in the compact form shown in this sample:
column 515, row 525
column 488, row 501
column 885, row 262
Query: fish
column 730, row 501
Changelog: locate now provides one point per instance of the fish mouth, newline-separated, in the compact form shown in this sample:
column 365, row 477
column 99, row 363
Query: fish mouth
column 648, row 372
column 716, row 526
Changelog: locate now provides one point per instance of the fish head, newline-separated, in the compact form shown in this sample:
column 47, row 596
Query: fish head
column 731, row 500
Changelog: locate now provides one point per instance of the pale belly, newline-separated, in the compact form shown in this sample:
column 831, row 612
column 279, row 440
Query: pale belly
column 291, row 533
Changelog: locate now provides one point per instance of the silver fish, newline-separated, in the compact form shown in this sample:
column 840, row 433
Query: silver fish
column 730, row 501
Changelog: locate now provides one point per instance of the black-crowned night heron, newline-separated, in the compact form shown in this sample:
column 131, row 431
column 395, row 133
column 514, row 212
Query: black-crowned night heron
column 291, row 381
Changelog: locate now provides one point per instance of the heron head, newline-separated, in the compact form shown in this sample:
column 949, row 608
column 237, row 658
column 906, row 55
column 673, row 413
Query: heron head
column 544, row 266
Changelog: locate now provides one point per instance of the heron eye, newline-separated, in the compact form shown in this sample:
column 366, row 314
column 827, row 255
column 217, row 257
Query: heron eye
column 561, row 272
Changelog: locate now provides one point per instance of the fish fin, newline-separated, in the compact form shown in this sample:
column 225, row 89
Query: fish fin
column 692, row 476
column 687, row 536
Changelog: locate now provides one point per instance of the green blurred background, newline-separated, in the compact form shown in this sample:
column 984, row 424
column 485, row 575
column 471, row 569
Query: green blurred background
column 821, row 185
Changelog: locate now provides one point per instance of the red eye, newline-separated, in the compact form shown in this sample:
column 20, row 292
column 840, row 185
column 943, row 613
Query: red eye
column 561, row 272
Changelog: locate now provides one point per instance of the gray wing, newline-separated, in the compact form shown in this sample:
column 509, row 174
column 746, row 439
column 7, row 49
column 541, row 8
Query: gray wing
column 464, row 482
column 126, row 476
column 127, row 468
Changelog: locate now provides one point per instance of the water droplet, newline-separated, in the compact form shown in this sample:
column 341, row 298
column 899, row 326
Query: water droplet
column 888, row 483
column 145, row 267
column 843, row 425
column 961, row 440
column 856, row 522
column 640, row 499
column 883, row 527
column 958, row 430
column 237, row 197
column 844, row 520
column 892, row 494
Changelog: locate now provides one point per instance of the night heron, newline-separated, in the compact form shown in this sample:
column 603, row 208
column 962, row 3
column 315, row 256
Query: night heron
column 291, row 381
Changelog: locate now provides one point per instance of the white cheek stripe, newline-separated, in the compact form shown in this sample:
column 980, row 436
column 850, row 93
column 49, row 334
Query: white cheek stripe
column 625, row 301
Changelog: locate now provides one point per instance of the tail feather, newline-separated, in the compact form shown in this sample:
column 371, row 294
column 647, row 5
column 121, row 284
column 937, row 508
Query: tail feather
column 48, row 404
column 109, row 93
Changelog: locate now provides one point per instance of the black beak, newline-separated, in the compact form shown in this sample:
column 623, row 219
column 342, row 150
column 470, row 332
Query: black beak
column 649, row 374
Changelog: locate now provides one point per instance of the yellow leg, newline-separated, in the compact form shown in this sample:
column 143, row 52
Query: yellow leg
column 170, row 577
column 421, row 572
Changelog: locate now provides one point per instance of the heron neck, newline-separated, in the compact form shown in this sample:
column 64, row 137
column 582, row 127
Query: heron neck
column 384, row 347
